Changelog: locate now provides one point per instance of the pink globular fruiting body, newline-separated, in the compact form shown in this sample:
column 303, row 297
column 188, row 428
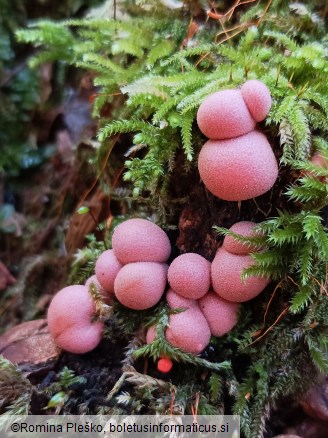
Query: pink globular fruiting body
column 151, row 335
column 319, row 160
column 224, row 115
column 190, row 275
column 226, row 271
column 238, row 169
column 106, row 296
column 221, row 315
column 93, row 280
column 70, row 320
column 175, row 300
column 188, row 330
column 140, row 285
column 106, row 269
column 237, row 163
column 139, row 240
column 245, row 229
column 164, row 365
column 257, row 98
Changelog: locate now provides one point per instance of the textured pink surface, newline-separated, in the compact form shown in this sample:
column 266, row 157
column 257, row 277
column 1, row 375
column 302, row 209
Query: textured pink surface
column 80, row 339
column 226, row 273
column 238, row 169
column 244, row 228
column 164, row 365
column 221, row 315
column 189, row 331
column 258, row 98
column 151, row 334
column 140, row 285
column 224, row 115
column 106, row 296
column 176, row 301
column 319, row 160
column 139, row 240
column 189, row 275
column 106, row 269
column 93, row 279
column 69, row 320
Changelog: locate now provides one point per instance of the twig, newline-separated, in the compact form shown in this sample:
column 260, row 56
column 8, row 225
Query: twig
column 271, row 326
column 270, row 301
column 194, row 408
column 293, row 281
column 322, row 287
column 172, row 401
column 100, row 173
column 264, row 13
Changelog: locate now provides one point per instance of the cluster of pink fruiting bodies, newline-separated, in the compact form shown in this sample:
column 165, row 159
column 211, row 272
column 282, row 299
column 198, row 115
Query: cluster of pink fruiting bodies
column 135, row 271
column 237, row 163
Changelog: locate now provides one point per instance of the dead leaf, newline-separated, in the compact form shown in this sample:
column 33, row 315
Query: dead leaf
column 29, row 342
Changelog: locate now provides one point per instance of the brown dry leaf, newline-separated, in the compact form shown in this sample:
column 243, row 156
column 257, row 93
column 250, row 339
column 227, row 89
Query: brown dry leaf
column 29, row 342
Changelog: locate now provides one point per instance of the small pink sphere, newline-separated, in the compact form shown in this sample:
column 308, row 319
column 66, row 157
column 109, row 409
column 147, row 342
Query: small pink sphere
column 80, row 339
column 151, row 334
column 319, row 160
column 93, row 279
column 176, row 301
column 106, row 269
column 189, row 275
column 106, row 296
column 140, row 285
column 258, row 99
column 70, row 317
column 238, row 169
column 139, row 240
column 224, row 114
column 189, row 331
column 221, row 315
column 226, row 273
column 164, row 365
column 245, row 229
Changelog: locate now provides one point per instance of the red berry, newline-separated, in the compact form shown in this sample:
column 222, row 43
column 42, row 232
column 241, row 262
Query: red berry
column 164, row 365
